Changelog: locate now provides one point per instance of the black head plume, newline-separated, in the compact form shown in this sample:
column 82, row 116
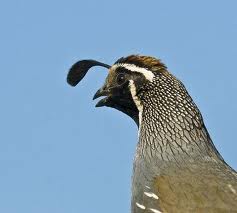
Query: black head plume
column 79, row 70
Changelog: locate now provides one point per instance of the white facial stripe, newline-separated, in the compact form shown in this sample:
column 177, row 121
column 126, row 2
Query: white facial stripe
column 133, row 68
column 136, row 100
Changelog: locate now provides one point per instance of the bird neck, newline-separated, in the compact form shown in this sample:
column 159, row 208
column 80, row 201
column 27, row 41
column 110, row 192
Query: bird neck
column 172, row 129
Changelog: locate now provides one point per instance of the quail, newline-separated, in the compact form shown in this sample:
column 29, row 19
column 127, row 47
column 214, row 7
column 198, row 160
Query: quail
column 176, row 166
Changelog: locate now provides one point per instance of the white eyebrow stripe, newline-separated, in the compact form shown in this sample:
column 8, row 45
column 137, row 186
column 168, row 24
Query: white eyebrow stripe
column 133, row 68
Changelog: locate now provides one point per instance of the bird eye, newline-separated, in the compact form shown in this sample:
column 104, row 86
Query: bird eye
column 120, row 78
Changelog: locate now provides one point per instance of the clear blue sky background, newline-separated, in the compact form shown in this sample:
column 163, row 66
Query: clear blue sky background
column 58, row 153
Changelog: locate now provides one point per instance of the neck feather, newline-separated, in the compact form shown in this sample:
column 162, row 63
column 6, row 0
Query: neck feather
column 171, row 125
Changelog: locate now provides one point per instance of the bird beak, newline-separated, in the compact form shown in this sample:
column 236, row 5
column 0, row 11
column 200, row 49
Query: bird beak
column 107, row 101
column 103, row 91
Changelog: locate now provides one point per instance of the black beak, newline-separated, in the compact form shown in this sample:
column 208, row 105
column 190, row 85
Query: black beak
column 103, row 91
column 104, row 102
column 112, row 101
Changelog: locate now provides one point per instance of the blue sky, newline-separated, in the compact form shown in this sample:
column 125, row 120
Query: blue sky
column 58, row 153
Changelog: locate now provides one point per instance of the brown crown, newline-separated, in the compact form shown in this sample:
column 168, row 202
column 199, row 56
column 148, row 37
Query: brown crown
column 148, row 62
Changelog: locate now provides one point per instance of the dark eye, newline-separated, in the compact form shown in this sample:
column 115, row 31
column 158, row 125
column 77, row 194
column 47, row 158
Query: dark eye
column 120, row 78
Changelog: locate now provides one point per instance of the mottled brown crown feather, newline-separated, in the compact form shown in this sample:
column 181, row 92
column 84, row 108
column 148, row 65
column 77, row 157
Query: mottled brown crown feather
column 147, row 62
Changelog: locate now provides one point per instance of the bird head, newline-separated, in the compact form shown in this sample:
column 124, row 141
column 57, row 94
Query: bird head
column 128, row 79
